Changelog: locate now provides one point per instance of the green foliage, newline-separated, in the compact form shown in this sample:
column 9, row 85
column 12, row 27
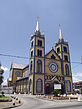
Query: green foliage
column 56, row 92
column 2, row 93
column 5, row 99
column 1, row 80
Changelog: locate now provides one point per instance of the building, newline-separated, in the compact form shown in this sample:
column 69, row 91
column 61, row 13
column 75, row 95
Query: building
column 6, row 89
column 17, row 72
column 77, row 87
column 46, row 70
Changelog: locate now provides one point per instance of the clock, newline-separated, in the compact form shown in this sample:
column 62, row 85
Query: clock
column 53, row 67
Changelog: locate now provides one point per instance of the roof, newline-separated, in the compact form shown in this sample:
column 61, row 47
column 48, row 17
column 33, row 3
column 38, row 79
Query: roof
column 27, row 66
column 51, row 51
column 77, row 83
column 23, row 78
column 18, row 66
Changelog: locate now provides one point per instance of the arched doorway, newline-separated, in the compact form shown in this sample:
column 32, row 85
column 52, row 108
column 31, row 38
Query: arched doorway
column 47, row 88
column 39, row 86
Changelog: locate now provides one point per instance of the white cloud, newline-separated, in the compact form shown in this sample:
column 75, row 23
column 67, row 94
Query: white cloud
column 4, row 82
column 4, row 68
column 77, row 77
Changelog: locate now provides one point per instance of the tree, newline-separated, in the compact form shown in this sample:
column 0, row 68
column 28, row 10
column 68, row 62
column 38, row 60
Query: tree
column 1, row 79
column 56, row 92
column 1, row 75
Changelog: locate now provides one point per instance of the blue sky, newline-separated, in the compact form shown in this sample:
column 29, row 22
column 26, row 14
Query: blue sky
column 18, row 22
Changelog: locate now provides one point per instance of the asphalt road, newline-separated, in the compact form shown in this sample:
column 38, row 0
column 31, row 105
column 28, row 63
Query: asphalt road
column 31, row 102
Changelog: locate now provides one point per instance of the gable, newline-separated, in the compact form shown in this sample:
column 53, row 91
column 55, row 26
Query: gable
column 52, row 54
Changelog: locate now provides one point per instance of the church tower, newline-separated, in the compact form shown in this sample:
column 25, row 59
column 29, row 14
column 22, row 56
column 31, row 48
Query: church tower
column 36, row 68
column 62, row 49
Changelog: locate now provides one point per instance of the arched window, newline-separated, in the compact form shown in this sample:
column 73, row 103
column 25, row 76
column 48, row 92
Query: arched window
column 31, row 67
column 39, row 86
column 17, row 73
column 30, row 86
column 67, row 69
column 39, row 66
column 68, row 84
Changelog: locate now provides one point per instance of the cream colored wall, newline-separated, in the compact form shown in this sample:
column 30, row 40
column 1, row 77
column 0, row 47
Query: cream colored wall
column 32, row 64
column 42, row 39
column 47, row 67
column 14, row 77
column 65, row 54
column 48, row 61
column 36, row 78
column 31, row 77
column 58, row 46
column 70, row 79
column 42, row 59
column 69, row 67
column 39, row 49
column 31, row 42
column 66, row 47
column 26, row 72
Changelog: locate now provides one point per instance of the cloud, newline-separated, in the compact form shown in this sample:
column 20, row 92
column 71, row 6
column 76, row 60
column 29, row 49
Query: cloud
column 4, row 68
column 4, row 82
column 77, row 77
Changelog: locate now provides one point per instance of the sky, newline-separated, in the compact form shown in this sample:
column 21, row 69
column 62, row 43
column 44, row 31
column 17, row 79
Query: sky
column 18, row 21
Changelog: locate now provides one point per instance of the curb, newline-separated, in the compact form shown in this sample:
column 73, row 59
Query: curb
column 13, row 106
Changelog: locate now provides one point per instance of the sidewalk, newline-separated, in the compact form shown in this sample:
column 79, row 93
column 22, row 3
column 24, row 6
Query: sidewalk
column 7, row 105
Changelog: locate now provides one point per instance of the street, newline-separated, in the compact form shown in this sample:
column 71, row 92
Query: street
column 31, row 102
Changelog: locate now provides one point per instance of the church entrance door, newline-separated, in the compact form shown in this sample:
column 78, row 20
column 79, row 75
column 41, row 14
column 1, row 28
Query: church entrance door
column 47, row 88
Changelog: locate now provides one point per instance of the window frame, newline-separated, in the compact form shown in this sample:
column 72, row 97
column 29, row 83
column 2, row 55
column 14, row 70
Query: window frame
column 67, row 69
column 65, row 49
column 31, row 66
column 39, row 43
column 68, row 81
column 66, row 58
column 58, row 51
column 41, row 88
column 39, row 66
column 39, row 53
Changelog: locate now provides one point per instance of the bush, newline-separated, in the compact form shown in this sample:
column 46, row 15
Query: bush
column 2, row 93
column 56, row 92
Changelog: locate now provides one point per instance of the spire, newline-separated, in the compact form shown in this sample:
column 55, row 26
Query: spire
column 60, row 33
column 37, row 25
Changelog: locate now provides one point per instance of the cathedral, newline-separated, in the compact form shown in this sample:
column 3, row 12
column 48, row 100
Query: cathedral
column 45, row 71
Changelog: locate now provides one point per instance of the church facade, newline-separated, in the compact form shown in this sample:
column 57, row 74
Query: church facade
column 49, row 71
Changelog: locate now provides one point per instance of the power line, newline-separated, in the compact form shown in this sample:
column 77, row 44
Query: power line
column 14, row 56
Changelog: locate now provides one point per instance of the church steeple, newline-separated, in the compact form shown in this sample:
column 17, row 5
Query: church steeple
column 37, row 31
column 37, row 25
column 60, row 34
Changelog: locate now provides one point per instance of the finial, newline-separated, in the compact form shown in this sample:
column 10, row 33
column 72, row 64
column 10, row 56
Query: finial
column 52, row 47
column 43, row 33
column 37, row 25
column 60, row 32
